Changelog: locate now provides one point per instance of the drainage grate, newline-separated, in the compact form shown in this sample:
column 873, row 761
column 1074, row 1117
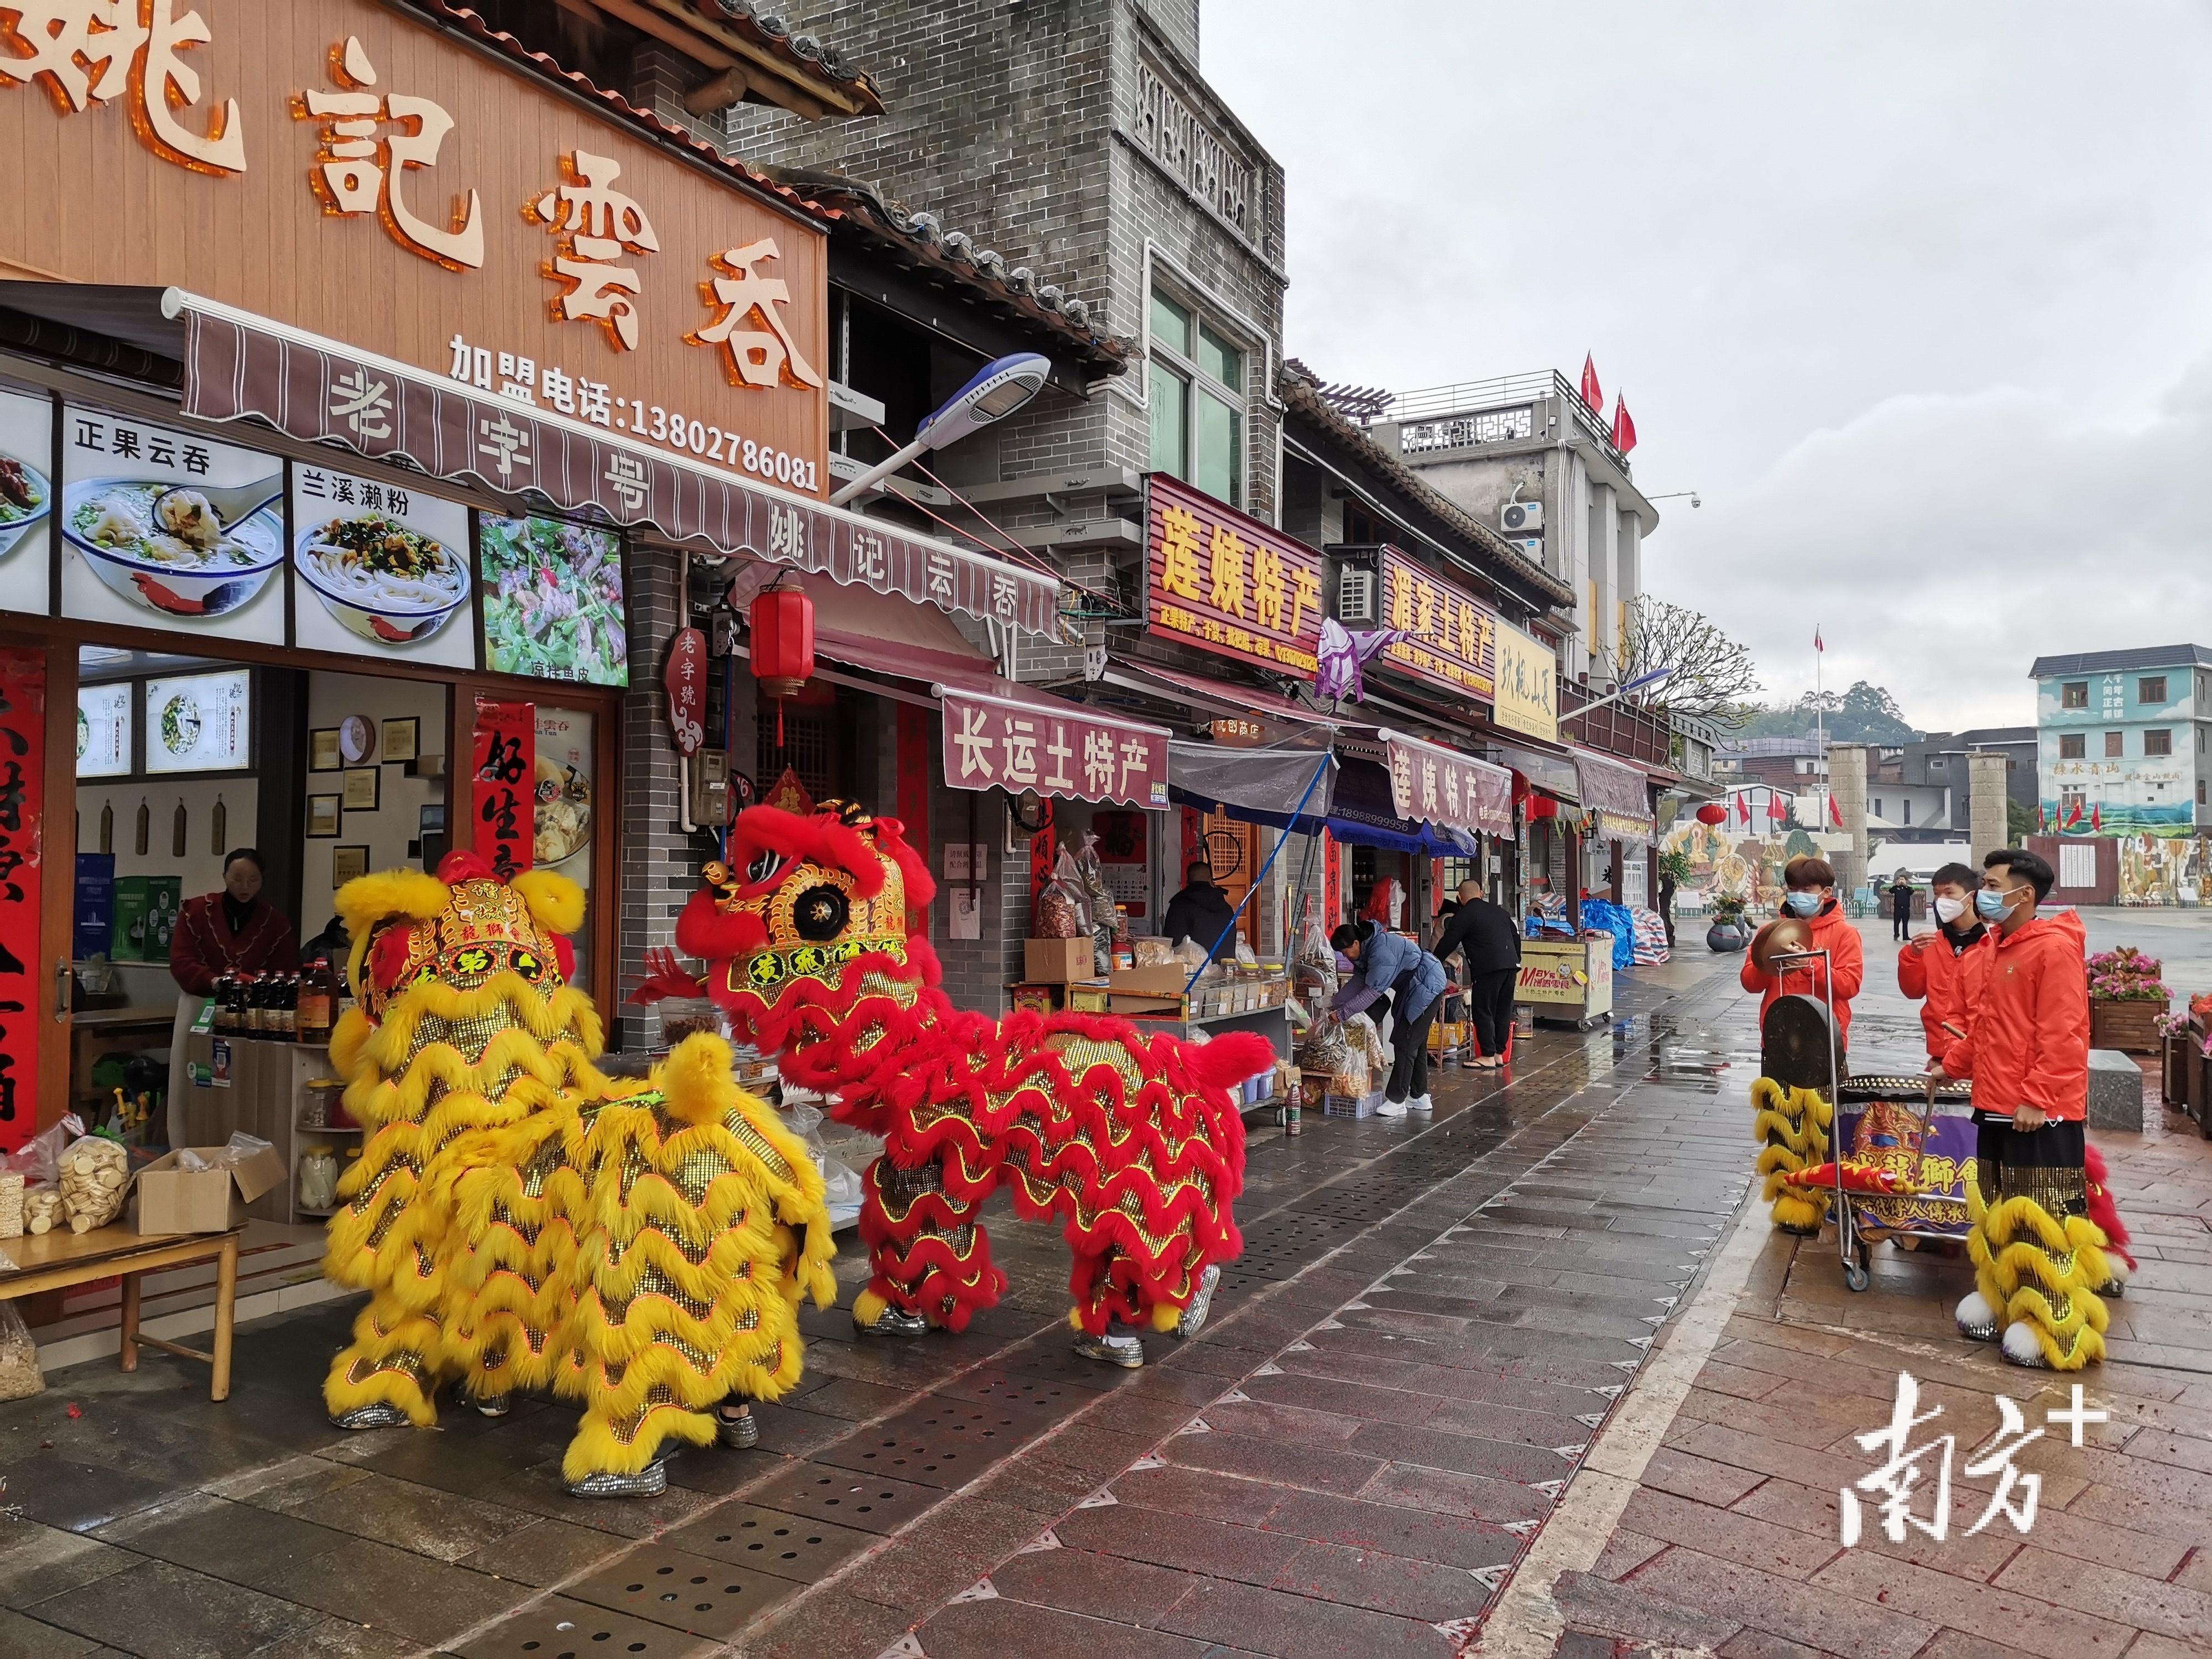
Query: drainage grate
column 562, row 1629
column 945, row 1443
column 676, row 1588
column 789, row 1545
column 873, row 1503
column 1053, row 1400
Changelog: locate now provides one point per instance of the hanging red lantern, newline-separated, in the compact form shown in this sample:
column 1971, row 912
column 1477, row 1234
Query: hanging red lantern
column 1712, row 812
column 783, row 642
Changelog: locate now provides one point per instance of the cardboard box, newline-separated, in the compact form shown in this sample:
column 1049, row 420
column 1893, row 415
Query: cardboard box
column 1058, row 961
column 174, row 1200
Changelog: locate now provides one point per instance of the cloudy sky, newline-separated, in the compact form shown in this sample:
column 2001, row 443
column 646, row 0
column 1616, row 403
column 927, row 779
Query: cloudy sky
column 1920, row 297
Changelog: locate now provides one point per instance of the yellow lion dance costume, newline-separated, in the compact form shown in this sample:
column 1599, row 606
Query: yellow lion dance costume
column 1793, row 1125
column 523, row 1222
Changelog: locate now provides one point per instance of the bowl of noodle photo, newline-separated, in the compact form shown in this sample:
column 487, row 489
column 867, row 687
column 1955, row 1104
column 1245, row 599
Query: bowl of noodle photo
column 387, row 583
column 561, row 824
column 164, row 547
column 25, row 498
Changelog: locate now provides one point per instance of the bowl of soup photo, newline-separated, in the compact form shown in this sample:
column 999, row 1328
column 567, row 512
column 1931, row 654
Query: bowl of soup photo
column 163, row 546
column 25, row 498
column 384, row 582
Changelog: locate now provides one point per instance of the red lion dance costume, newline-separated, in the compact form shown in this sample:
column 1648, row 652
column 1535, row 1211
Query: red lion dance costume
column 1132, row 1139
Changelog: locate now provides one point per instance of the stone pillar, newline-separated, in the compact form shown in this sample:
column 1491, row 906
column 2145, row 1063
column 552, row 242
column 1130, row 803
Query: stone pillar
column 1847, row 786
column 660, row 864
column 1985, row 799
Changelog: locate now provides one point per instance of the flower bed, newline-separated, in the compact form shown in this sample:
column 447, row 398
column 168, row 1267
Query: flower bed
column 2128, row 1002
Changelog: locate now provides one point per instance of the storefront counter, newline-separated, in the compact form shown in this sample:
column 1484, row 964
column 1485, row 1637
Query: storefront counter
column 1567, row 982
column 234, row 1083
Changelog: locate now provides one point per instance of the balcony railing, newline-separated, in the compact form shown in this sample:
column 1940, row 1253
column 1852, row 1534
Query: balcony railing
column 1488, row 411
column 1618, row 729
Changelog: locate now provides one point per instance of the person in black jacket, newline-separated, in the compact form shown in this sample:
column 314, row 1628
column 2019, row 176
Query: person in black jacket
column 1484, row 937
column 1201, row 911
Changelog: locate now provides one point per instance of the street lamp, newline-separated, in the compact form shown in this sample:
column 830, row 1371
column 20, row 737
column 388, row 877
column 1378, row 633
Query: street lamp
column 999, row 389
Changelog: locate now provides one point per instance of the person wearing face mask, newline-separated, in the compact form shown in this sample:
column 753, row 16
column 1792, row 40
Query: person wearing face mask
column 1811, row 898
column 1943, row 970
column 2039, row 1262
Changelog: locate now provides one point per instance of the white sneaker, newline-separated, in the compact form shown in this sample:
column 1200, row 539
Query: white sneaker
column 1420, row 1103
column 1388, row 1108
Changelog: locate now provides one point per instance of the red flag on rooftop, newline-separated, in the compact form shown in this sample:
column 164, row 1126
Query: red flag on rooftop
column 1593, row 394
column 1817, row 645
column 1624, row 427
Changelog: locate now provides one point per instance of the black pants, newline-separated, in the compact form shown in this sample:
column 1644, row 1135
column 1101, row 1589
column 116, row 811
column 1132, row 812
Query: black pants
column 1904, row 927
column 1409, row 1045
column 2044, row 1165
column 1491, row 999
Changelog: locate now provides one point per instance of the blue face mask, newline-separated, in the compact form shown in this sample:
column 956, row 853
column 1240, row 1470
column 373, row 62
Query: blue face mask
column 1989, row 904
column 1802, row 903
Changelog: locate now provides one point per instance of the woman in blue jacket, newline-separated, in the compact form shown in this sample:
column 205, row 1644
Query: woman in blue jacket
column 1383, row 962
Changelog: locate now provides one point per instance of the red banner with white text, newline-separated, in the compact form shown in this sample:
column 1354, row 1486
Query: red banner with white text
column 22, row 782
column 504, row 783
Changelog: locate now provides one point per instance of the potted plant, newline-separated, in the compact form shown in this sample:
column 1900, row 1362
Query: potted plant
column 1730, row 931
column 2127, row 1000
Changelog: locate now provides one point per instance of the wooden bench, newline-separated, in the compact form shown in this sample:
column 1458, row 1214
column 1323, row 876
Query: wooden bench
column 55, row 1261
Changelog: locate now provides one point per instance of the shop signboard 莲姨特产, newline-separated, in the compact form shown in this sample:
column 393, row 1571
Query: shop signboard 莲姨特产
column 169, row 530
column 1453, row 641
column 379, row 570
column 553, row 600
column 27, row 500
column 1222, row 582
column 1438, row 786
column 1526, row 698
column 441, row 206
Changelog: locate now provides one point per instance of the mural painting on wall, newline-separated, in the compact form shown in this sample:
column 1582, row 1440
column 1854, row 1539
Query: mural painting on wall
column 1728, row 862
column 2158, row 870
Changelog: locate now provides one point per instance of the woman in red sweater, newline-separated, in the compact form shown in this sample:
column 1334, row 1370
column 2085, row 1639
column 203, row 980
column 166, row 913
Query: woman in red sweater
column 231, row 931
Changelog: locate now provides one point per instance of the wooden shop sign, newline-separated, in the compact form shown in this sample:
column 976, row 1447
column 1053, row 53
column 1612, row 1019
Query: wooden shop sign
column 1222, row 582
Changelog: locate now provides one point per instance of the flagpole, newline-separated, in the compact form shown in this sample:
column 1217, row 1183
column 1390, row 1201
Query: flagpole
column 1820, row 717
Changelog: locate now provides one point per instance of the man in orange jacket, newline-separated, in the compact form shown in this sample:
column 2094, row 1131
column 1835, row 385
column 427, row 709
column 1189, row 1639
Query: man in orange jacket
column 2039, row 1260
column 1811, row 897
column 1943, row 967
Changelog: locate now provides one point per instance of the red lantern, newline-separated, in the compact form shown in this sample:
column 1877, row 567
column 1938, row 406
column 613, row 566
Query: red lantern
column 1712, row 812
column 783, row 643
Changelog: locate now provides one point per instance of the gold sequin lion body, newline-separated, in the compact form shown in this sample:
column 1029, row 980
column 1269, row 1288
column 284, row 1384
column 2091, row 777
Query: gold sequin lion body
column 523, row 1222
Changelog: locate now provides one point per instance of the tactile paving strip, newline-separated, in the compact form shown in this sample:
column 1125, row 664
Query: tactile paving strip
column 872, row 1503
column 792, row 1546
column 689, row 1592
column 943, row 1442
column 562, row 1629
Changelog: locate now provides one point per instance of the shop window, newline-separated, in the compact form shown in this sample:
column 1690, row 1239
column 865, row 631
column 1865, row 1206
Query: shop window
column 2151, row 689
column 1908, row 814
column 2072, row 746
column 1193, row 387
column 2158, row 741
column 2115, row 744
column 2074, row 694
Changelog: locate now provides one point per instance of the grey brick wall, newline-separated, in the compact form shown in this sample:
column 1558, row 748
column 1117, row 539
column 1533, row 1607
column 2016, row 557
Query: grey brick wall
column 659, row 867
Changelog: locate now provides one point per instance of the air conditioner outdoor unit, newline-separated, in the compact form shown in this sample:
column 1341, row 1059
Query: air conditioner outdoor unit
column 1521, row 516
column 1532, row 545
column 1355, row 595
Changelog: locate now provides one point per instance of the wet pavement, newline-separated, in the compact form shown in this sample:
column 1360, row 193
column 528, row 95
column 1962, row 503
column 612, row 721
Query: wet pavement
column 1429, row 1321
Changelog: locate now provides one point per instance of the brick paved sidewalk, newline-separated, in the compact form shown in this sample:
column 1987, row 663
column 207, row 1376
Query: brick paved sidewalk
column 1728, row 1540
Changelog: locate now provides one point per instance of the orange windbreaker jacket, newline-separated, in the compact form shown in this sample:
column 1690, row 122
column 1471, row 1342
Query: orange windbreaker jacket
column 1951, row 980
column 1832, row 931
column 2027, row 1040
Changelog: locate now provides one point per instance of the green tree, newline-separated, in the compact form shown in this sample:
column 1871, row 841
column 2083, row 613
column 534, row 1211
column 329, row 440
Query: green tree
column 2020, row 823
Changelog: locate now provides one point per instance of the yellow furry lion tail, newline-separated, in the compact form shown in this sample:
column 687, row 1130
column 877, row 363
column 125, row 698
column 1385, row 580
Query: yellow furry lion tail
column 704, row 1226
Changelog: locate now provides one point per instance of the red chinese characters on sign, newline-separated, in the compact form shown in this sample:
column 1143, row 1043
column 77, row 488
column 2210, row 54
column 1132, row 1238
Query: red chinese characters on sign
column 504, row 784
column 1438, row 786
column 22, row 777
column 994, row 743
column 1227, row 583
column 1455, row 640
column 685, row 677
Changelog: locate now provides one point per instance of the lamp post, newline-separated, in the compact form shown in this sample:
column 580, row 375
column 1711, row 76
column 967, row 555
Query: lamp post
column 998, row 389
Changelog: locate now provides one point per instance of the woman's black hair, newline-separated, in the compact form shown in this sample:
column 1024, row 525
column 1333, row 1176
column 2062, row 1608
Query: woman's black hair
column 1348, row 934
column 252, row 855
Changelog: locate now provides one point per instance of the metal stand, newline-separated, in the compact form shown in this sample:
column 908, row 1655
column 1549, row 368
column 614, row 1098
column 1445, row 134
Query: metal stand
column 1858, row 1271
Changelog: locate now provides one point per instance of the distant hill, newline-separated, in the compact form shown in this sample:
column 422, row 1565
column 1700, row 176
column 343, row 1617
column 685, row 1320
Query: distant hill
column 1865, row 714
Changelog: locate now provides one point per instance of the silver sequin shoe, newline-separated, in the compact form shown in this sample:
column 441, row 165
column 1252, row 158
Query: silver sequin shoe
column 493, row 1405
column 1123, row 1351
column 650, row 1481
column 1976, row 1319
column 738, row 1433
column 1200, row 1303
column 895, row 1321
column 381, row 1415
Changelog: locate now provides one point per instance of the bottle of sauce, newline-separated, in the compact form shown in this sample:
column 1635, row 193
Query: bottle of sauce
column 219, row 1002
column 318, row 1003
column 257, row 1005
column 287, row 1008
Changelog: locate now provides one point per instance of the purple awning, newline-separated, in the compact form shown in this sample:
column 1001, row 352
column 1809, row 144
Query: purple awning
column 1437, row 786
column 241, row 367
column 1617, row 795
